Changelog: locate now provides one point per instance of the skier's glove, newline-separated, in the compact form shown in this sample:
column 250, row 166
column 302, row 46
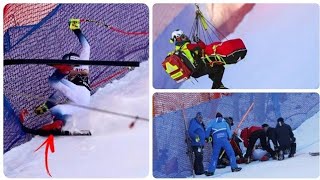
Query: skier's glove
column 197, row 139
column 293, row 140
column 209, row 139
column 74, row 24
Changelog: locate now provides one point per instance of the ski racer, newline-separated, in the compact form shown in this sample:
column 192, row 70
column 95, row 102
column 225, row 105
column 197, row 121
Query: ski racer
column 197, row 135
column 193, row 57
column 285, row 138
column 221, row 134
column 69, row 81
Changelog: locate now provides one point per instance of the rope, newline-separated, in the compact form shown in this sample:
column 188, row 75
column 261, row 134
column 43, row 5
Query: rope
column 201, row 21
column 114, row 28
column 97, row 84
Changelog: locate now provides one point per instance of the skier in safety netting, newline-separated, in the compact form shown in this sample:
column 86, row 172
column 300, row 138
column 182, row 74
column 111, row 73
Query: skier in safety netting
column 70, row 81
column 199, row 59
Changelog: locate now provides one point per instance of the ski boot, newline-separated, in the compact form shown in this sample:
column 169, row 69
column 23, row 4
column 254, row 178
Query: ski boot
column 41, row 109
column 56, row 126
column 291, row 155
column 236, row 169
column 222, row 87
column 292, row 150
column 209, row 173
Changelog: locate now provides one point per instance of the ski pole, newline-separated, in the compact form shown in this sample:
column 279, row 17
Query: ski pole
column 100, row 23
column 189, row 152
column 242, row 120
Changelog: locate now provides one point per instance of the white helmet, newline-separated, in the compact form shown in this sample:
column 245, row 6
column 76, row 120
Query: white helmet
column 176, row 34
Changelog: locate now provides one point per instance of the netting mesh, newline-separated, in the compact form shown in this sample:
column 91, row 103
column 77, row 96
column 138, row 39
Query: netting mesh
column 169, row 147
column 40, row 31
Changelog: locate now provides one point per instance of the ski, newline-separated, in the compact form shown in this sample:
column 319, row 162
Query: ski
column 41, row 132
column 75, row 133
column 189, row 151
column 314, row 153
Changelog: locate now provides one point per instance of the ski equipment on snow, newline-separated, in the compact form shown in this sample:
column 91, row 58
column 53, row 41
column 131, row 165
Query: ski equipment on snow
column 314, row 153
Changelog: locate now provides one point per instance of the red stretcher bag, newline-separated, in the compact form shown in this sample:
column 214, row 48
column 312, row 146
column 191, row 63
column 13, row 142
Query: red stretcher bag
column 228, row 52
column 174, row 66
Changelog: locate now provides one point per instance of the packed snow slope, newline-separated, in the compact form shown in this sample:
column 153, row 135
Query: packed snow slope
column 113, row 150
column 301, row 166
column 283, row 49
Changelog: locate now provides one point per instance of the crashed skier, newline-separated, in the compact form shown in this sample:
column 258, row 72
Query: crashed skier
column 68, row 81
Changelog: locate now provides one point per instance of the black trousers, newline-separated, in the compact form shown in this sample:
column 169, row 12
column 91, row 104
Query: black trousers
column 263, row 140
column 198, row 160
column 216, row 74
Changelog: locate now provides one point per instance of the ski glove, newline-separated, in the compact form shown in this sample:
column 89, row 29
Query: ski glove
column 209, row 139
column 197, row 139
column 74, row 24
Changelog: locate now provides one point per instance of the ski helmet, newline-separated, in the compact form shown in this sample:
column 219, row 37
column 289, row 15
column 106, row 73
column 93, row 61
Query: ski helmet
column 71, row 56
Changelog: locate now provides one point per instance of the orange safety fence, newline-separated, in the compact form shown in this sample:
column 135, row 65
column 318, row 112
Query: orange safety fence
column 24, row 14
column 168, row 102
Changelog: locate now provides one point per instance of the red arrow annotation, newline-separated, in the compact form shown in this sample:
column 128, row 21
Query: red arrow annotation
column 49, row 144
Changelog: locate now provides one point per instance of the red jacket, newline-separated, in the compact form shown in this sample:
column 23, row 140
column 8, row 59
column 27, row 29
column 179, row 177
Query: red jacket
column 246, row 133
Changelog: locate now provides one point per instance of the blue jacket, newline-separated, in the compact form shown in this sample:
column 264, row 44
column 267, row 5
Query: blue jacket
column 196, row 129
column 218, row 128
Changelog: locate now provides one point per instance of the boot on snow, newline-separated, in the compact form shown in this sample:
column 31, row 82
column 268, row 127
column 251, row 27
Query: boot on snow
column 209, row 173
column 236, row 169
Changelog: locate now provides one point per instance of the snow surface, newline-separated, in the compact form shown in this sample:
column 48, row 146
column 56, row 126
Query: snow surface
column 114, row 150
column 301, row 166
column 283, row 49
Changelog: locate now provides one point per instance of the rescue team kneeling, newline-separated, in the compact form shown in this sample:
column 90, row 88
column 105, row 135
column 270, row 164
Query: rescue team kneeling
column 198, row 59
column 226, row 149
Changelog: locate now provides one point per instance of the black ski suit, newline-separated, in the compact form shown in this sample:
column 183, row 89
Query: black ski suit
column 258, row 134
column 284, row 136
column 272, row 135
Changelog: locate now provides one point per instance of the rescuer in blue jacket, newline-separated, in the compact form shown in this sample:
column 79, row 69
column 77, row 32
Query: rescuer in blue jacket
column 197, row 135
column 221, row 134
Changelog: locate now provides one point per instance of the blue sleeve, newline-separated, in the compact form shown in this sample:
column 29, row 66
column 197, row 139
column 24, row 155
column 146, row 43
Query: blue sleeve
column 85, row 50
column 192, row 129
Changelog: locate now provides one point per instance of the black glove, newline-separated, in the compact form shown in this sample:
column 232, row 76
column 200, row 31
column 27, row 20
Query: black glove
column 293, row 140
column 195, row 38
